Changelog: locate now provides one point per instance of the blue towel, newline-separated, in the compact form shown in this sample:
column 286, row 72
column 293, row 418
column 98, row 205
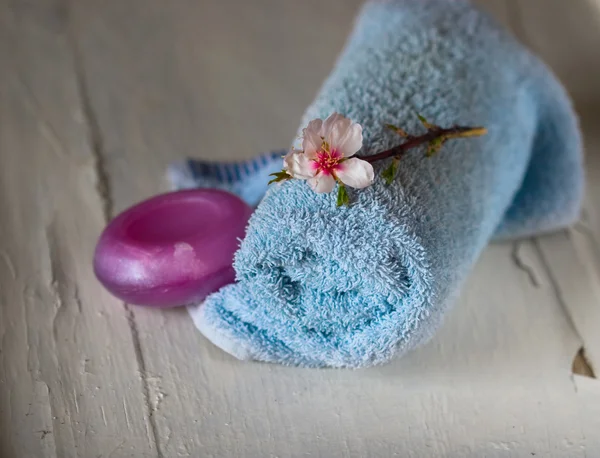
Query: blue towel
column 319, row 285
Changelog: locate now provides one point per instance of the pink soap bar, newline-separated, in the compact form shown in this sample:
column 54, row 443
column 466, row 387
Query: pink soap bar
column 173, row 249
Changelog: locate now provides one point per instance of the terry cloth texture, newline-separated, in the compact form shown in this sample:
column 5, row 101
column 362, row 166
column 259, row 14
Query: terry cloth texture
column 319, row 285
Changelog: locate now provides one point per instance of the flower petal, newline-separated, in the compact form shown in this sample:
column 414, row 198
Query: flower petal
column 352, row 141
column 298, row 165
column 337, row 122
column 356, row 173
column 322, row 183
column 342, row 134
column 311, row 137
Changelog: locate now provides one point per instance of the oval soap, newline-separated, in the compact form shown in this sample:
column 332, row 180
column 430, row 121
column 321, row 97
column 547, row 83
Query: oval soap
column 172, row 249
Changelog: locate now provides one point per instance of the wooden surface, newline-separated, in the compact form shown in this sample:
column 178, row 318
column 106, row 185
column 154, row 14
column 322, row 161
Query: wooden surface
column 96, row 97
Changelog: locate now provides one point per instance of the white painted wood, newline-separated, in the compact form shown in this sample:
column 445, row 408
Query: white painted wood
column 226, row 79
column 566, row 36
column 569, row 259
column 69, row 382
column 578, row 250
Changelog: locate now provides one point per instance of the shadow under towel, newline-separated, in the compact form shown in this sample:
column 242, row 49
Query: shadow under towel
column 319, row 285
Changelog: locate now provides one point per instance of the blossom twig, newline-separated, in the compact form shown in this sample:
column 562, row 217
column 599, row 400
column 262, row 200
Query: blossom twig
column 431, row 136
column 328, row 147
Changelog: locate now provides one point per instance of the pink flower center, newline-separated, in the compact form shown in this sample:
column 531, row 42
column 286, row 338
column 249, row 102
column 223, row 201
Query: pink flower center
column 328, row 161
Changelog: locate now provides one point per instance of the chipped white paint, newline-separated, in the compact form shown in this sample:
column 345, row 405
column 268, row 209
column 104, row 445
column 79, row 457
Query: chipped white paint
column 95, row 99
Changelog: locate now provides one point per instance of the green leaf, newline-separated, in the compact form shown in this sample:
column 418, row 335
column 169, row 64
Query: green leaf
column 279, row 176
column 435, row 145
column 390, row 172
column 342, row 197
column 397, row 129
column 426, row 123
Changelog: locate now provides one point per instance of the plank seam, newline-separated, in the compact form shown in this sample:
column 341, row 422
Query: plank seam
column 560, row 297
column 523, row 265
column 103, row 189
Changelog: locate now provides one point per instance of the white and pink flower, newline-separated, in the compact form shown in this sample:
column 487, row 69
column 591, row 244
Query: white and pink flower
column 326, row 155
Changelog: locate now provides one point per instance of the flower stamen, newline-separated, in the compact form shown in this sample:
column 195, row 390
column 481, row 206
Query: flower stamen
column 326, row 155
column 327, row 162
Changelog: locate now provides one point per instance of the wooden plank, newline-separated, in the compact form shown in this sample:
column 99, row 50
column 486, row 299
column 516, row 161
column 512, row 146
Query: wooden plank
column 69, row 384
column 589, row 225
column 577, row 287
column 589, row 389
column 202, row 72
column 585, row 238
column 566, row 37
column 225, row 79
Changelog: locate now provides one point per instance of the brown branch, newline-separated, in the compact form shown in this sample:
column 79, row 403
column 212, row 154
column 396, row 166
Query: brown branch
column 431, row 135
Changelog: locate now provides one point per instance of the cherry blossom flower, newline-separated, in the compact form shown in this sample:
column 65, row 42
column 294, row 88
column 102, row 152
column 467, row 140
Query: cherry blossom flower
column 328, row 147
column 326, row 155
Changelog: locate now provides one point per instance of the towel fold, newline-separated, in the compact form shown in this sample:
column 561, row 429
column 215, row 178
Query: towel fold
column 319, row 285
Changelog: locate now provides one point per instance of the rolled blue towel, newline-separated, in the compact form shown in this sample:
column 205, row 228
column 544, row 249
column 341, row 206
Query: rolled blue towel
column 321, row 285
